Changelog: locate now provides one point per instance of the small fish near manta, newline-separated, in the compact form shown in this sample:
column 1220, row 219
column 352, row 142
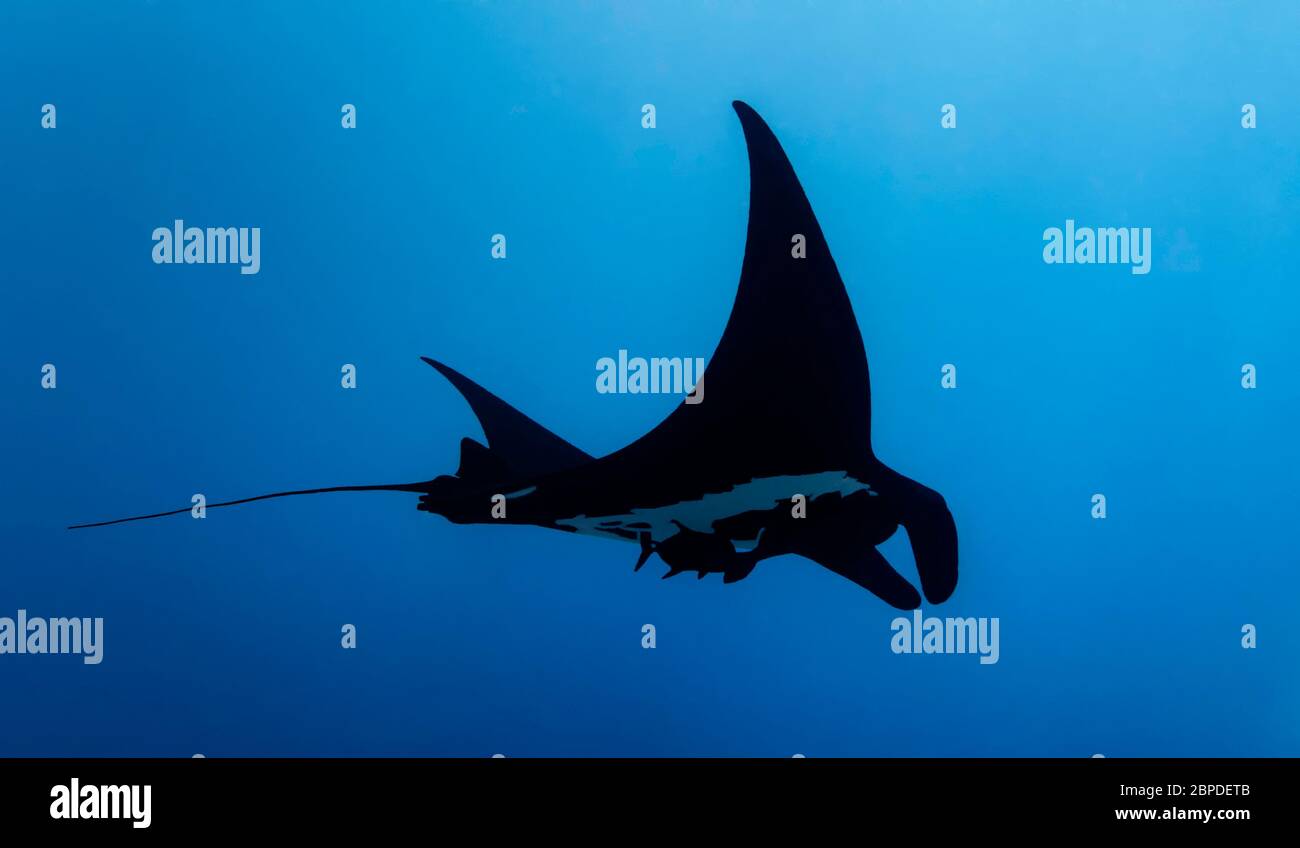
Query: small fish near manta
column 710, row 488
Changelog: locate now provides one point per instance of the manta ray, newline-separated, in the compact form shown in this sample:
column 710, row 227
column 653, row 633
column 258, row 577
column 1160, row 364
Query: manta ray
column 777, row 460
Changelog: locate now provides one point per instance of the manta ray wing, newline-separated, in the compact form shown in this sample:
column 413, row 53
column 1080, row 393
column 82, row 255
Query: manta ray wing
column 786, row 390
column 517, row 441
column 786, row 393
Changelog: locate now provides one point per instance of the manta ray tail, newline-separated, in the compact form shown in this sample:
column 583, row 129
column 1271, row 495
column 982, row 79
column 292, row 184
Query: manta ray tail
column 389, row 487
column 516, row 445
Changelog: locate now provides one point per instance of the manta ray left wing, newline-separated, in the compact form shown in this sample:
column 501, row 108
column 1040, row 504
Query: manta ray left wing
column 523, row 445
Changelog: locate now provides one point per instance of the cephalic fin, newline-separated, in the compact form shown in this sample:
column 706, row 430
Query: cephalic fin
column 647, row 548
column 869, row 569
column 930, row 529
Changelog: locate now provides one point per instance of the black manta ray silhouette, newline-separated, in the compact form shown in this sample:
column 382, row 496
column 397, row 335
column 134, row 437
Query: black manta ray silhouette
column 711, row 488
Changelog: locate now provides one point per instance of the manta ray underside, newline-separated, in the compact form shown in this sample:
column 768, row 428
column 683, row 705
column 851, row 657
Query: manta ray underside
column 777, row 460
